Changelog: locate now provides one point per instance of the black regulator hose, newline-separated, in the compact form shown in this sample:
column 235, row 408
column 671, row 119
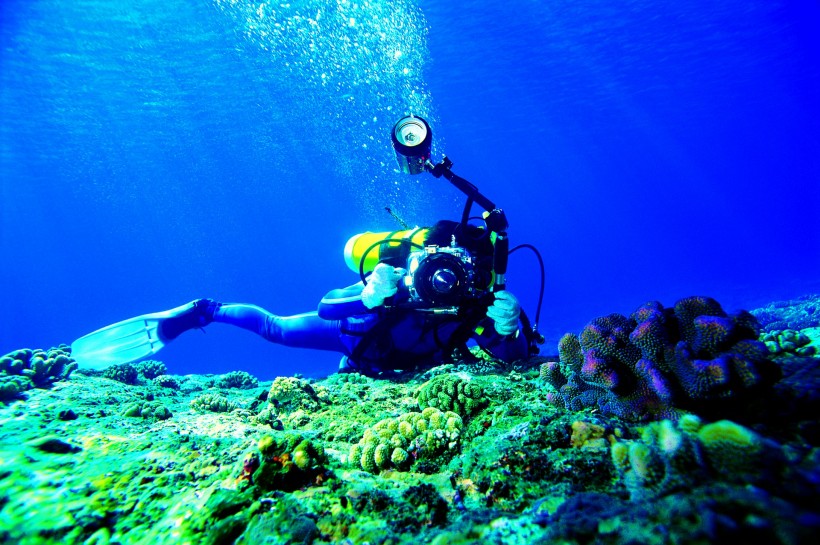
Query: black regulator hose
column 541, row 290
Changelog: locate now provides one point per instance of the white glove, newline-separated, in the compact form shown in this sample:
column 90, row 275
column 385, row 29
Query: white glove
column 381, row 285
column 504, row 311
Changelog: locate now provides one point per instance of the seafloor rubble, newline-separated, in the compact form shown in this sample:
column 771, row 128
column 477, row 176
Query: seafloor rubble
column 683, row 425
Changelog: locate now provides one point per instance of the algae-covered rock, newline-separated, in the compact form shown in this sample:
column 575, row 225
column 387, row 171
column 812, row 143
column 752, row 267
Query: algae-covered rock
column 292, row 393
column 222, row 519
column 288, row 461
column 509, row 465
column 284, row 523
column 398, row 442
column 54, row 445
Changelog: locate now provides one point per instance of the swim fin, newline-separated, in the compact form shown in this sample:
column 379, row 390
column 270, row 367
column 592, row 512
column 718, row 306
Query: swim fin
column 126, row 341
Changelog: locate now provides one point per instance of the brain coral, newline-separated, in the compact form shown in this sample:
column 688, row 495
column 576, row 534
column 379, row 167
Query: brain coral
column 660, row 361
column 451, row 393
column 397, row 442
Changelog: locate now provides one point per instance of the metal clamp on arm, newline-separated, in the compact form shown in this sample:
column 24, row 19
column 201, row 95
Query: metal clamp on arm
column 494, row 217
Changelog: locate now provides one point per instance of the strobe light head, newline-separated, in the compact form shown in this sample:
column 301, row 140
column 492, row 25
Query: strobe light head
column 412, row 140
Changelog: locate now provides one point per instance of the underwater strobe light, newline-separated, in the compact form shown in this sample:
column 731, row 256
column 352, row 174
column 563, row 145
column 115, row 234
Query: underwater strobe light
column 412, row 139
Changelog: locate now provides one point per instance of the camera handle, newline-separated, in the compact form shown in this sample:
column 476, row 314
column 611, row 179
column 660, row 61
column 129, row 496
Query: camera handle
column 495, row 218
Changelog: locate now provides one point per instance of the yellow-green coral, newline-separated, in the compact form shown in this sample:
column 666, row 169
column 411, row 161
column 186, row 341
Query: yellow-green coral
column 396, row 442
column 731, row 449
column 214, row 403
column 670, row 456
column 664, row 458
column 451, row 393
column 788, row 342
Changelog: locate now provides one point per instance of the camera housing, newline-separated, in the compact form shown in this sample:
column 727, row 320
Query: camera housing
column 442, row 276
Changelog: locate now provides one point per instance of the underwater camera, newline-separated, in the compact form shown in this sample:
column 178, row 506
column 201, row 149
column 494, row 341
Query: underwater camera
column 443, row 276
column 437, row 276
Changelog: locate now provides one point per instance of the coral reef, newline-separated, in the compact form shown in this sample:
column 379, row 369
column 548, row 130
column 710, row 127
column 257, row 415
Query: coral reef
column 661, row 362
column 237, row 379
column 451, row 393
column 788, row 341
column 167, row 381
column 13, row 386
column 214, row 403
column 150, row 368
column 122, row 372
column 800, row 313
column 25, row 369
column 349, row 459
column 671, row 457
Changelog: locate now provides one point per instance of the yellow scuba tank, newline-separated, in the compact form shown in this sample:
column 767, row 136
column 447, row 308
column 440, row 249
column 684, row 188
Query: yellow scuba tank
column 374, row 247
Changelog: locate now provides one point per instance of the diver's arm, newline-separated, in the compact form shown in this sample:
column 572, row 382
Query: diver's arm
column 503, row 332
column 343, row 303
column 361, row 299
column 508, row 348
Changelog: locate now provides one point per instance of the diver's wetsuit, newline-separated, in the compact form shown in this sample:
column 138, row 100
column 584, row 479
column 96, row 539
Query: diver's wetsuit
column 372, row 341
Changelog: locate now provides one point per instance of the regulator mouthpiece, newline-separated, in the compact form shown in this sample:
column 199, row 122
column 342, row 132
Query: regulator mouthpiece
column 412, row 140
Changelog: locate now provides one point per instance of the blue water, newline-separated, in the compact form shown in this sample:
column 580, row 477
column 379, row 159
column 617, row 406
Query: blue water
column 153, row 152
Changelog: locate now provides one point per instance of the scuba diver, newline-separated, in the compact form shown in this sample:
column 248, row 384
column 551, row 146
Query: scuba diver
column 390, row 321
column 423, row 294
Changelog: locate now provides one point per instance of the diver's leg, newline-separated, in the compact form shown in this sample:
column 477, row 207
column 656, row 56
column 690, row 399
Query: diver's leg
column 300, row 331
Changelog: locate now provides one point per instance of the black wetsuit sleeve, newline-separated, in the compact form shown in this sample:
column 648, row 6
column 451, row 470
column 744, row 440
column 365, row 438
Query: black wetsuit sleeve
column 507, row 348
